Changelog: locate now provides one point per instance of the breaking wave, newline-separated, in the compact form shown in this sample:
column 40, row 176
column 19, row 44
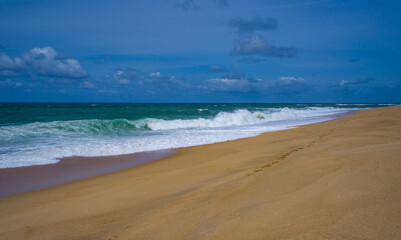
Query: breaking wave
column 46, row 142
column 125, row 127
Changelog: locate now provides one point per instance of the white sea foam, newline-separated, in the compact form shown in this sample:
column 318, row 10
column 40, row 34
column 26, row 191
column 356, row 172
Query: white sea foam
column 364, row 104
column 54, row 140
column 237, row 118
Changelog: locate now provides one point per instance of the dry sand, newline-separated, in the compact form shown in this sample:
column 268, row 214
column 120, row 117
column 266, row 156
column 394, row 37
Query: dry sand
column 333, row 180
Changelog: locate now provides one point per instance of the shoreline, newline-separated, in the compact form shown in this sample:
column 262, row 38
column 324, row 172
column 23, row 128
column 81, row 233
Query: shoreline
column 36, row 177
column 337, row 179
column 31, row 178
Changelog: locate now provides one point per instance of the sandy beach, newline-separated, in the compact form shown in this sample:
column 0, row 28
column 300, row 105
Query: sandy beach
column 26, row 179
column 339, row 179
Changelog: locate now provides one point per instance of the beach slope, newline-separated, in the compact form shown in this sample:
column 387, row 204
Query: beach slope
column 339, row 179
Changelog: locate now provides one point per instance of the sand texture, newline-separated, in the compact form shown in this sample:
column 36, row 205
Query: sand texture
column 333, row 180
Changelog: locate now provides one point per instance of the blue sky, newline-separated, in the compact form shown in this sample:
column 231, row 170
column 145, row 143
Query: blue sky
column 200, row 51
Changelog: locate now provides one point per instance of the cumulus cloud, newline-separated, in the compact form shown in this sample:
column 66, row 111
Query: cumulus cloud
column 6, row 63
column 228, row 84
column 234, row 81
column 125, row 76
column 11, row 67
column 289, row 85
column 231, row 81
column 88, row 85
column 249, row 26
column 239, row 82
column 257, row 46
column 154, row 74
column 160, row 82
column 148, row 81
column 250, row 43
column 45, row 62
column 290, row 80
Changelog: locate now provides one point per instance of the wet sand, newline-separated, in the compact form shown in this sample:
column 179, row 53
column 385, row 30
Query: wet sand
column 25, row 179
column 332, row 180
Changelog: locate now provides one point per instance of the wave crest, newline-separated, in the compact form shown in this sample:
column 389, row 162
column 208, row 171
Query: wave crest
column 236, row 118
column 68, row 128
column 222, row 119
column 241, row 117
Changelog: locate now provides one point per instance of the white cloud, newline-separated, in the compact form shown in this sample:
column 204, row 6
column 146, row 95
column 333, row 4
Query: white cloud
column 41, row 61
column 250, row 84
column 44, row 62
column 228, row 84
column 153, row 80
column 290, row 80
column 124, row 77
column 357, row 82
column 257, row 46
column 6, row 63
column 154, row 74
column 87, row 84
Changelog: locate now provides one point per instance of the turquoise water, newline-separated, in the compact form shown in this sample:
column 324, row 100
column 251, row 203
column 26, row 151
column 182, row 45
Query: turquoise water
column 41, row 133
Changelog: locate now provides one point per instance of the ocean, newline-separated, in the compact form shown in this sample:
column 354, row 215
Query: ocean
column 42, row 133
